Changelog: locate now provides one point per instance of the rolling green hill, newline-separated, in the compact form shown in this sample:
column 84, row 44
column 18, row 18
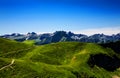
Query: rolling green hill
column 13, row 49
column 57, row 60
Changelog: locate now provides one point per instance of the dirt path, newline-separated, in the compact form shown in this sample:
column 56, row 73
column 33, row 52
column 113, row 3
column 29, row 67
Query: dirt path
column 9, row 65
column 115, row 76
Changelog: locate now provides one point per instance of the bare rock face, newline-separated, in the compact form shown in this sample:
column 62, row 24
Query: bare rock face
column 60, row 36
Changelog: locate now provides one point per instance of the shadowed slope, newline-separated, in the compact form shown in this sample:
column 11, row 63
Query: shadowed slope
column 104, row 61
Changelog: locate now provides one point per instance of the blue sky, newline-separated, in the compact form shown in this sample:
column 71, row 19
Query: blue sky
column 79, row 16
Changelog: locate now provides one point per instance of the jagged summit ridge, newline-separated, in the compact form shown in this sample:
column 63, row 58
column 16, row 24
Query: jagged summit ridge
column 60, row 36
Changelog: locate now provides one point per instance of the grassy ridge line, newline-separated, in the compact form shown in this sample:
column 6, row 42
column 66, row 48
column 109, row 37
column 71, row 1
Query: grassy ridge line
column 7, row 45
column 17, row 51
column 13, row 49
column 56, row 51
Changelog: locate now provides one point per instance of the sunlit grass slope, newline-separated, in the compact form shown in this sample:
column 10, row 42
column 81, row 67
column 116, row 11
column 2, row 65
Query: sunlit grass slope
column 30, row 42
column 11, row 48
column 55, row 60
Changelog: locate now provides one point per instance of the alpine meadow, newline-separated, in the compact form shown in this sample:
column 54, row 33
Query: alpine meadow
column 59, row 38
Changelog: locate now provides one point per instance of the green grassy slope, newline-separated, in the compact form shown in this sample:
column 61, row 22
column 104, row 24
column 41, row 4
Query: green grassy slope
column 30, row 42
column 56, row 60
column 13, row 49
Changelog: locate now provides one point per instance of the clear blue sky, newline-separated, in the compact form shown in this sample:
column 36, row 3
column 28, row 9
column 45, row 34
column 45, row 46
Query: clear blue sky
column 22, row 16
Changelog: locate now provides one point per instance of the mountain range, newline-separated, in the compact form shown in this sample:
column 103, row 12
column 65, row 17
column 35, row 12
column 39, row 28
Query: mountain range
column 61, row 36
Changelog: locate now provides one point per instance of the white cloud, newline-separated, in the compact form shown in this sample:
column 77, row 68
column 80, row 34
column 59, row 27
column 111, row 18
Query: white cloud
column 107, row 31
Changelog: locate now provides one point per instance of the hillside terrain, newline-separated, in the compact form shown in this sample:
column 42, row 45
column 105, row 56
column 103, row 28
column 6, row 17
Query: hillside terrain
column 57, row 60
column 113, row 45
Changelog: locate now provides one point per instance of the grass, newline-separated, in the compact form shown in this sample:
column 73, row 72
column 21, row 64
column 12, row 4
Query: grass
column 55, row 60
column 13, row 49
column 29, row 42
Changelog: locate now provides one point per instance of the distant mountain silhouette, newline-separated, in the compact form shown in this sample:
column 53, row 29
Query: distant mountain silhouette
column 60, row 36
